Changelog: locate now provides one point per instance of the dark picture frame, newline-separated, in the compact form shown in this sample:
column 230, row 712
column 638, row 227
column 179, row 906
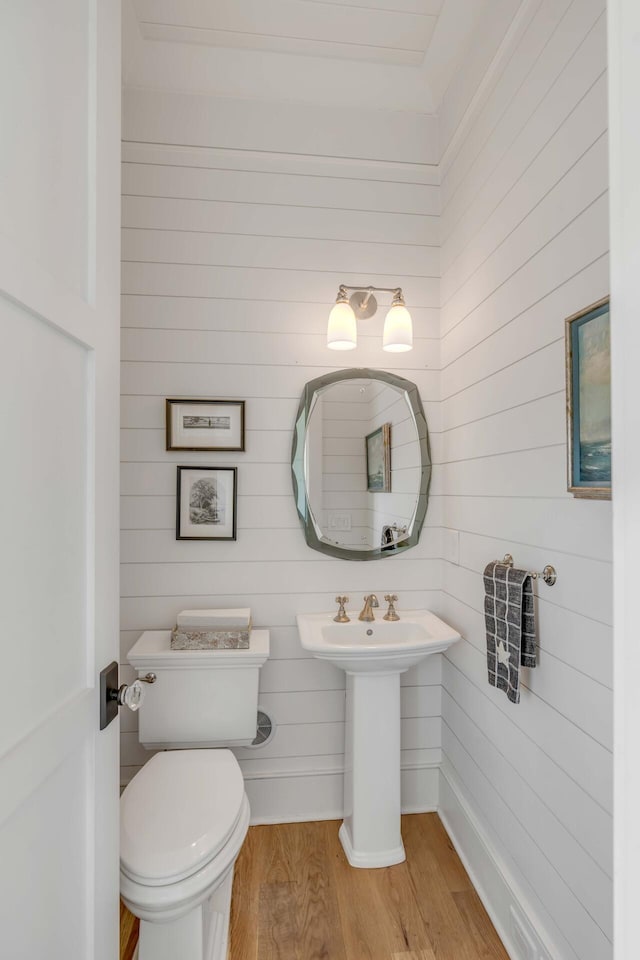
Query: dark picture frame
column 202, row 424
column 206, row 503
column 588, row 382
column 378, row 450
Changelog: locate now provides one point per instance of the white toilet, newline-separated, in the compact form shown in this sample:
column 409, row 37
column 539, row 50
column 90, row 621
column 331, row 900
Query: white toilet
column 185, row 815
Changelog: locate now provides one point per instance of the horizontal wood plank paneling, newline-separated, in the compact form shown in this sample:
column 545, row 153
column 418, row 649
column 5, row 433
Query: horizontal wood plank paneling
column 525, row 239
column 231, row 261
column 591, row 885
column 242, row 218
column 299, row 253
column 222, row 347
column 160, row 546
column 559, row 524
column 566, row 149
column 198, row 280
column 291, row 740
column 276, row 317
column 278, row 189
column 253, row 380
column 559, row 52
column 588, row 940
column 573, row 193
column 181, row 119
column 525, row 333
column 584, row 759
column 579, row 243
column 581, row 816
column 297, row 164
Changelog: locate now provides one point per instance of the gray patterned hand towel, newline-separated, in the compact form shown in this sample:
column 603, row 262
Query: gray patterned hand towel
column 509, row 618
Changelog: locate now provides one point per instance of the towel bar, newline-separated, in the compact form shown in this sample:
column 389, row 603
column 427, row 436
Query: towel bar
column 549, row 574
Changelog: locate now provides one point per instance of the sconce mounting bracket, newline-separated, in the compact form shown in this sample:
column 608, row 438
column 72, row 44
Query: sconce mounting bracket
column 364, row 304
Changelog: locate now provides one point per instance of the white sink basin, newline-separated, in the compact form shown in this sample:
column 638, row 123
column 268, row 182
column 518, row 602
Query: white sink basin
column 373, row 655
column 378, row 646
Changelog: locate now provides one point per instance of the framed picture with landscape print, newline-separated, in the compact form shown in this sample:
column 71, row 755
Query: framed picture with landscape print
column 206, row 503
column 378, row 450
column 588, row 355
column 205, row 424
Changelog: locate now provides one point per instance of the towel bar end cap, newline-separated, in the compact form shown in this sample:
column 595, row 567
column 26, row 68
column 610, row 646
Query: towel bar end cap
column 549, row 575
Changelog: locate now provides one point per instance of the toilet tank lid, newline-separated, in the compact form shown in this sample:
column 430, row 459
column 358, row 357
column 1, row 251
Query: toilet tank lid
column 152, row 650
column 178, row 812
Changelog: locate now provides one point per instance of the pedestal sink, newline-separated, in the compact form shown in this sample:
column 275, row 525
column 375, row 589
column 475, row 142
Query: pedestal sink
column 373, row 655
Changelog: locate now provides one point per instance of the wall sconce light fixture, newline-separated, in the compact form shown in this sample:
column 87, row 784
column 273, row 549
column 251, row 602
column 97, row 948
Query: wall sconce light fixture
column 342, row 331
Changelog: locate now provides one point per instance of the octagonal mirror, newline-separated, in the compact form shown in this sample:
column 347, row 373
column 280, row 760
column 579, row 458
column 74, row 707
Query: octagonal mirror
column 361, row 464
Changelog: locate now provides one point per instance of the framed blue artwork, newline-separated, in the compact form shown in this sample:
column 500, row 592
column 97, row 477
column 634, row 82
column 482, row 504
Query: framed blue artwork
column 378, row 450
column 587, row 337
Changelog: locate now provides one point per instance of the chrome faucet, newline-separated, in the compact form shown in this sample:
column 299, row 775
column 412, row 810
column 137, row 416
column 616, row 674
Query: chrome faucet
column 367, row 613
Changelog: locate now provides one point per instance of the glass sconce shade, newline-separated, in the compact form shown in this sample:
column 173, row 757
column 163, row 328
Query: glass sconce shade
column 341, row 330
column 398, row 332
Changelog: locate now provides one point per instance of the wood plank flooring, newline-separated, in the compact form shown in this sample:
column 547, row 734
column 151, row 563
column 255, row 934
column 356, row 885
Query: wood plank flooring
column 129, row 926
column 295, row 897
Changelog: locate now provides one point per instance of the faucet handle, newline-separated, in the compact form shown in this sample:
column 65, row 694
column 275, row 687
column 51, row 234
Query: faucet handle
column 391, row 614
column 341, row 616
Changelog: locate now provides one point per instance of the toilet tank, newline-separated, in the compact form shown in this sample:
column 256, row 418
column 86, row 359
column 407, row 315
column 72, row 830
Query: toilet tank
column 201, row 698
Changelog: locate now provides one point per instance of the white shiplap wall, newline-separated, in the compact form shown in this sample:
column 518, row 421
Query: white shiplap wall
column 524, row 245
column 231, row 260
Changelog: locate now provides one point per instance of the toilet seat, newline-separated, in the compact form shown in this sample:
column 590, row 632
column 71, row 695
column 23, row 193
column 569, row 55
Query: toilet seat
column 162, row 903
column 178, row 814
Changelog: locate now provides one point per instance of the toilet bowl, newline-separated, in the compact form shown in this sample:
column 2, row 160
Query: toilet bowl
column 184, row 818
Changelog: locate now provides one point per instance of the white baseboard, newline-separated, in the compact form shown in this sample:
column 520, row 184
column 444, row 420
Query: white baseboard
column 286, row 798
column 420, row 788
column 517, row 922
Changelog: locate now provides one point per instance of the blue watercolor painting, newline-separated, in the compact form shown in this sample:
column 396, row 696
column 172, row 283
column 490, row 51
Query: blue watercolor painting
column 591, row 375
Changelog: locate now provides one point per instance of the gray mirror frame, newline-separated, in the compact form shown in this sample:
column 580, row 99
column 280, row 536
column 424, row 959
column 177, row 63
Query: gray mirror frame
column 297, row 463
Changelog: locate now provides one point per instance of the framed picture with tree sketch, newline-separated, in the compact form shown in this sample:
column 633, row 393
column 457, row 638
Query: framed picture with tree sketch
column 206, row 503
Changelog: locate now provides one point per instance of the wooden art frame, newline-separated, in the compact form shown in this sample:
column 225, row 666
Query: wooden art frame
column 200, row 424
column 206, row 503
column 378, row 450
column 588, row 383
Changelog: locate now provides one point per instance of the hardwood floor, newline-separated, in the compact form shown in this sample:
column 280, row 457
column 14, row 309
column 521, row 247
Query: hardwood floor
column 295, row 897
column 128, row 933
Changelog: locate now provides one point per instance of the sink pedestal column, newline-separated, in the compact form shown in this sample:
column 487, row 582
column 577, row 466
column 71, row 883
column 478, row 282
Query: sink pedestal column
column 370, row 833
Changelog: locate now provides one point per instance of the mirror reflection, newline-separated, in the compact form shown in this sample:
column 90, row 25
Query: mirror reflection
column 361, row 464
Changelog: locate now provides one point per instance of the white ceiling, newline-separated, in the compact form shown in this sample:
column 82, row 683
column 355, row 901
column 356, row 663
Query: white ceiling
column 380, row 31
column 376, row 54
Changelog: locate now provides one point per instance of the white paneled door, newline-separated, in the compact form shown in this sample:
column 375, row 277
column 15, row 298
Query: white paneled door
column 59, row 286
